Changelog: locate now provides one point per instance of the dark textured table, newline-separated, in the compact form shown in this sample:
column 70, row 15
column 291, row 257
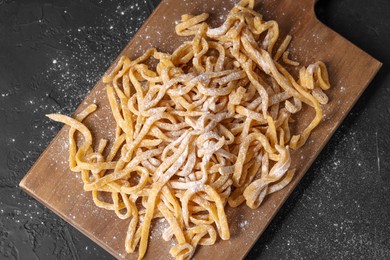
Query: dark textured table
column 52, row 53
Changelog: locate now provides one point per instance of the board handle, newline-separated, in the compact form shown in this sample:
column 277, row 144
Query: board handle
column 311, row 6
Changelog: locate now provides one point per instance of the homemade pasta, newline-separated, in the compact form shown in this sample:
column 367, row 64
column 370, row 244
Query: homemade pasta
column 205, row 126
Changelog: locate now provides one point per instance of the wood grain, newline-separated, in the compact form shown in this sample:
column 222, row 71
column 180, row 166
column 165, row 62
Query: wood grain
column 350, row 70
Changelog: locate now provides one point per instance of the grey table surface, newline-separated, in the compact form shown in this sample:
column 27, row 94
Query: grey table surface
column 52, row 53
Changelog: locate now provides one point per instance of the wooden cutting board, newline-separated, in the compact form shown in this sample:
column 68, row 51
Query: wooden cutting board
column 350, row 70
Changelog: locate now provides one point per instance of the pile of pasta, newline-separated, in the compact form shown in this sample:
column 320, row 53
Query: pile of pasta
column 205, row 126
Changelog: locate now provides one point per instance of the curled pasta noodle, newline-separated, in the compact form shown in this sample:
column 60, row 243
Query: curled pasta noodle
column 208, row 125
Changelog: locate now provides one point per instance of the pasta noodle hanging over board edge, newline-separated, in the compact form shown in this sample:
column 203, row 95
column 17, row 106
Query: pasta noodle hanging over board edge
column 205, row 126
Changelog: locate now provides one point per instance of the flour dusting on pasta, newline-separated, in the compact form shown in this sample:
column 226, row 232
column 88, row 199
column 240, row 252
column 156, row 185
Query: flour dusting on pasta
column 205, row 126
